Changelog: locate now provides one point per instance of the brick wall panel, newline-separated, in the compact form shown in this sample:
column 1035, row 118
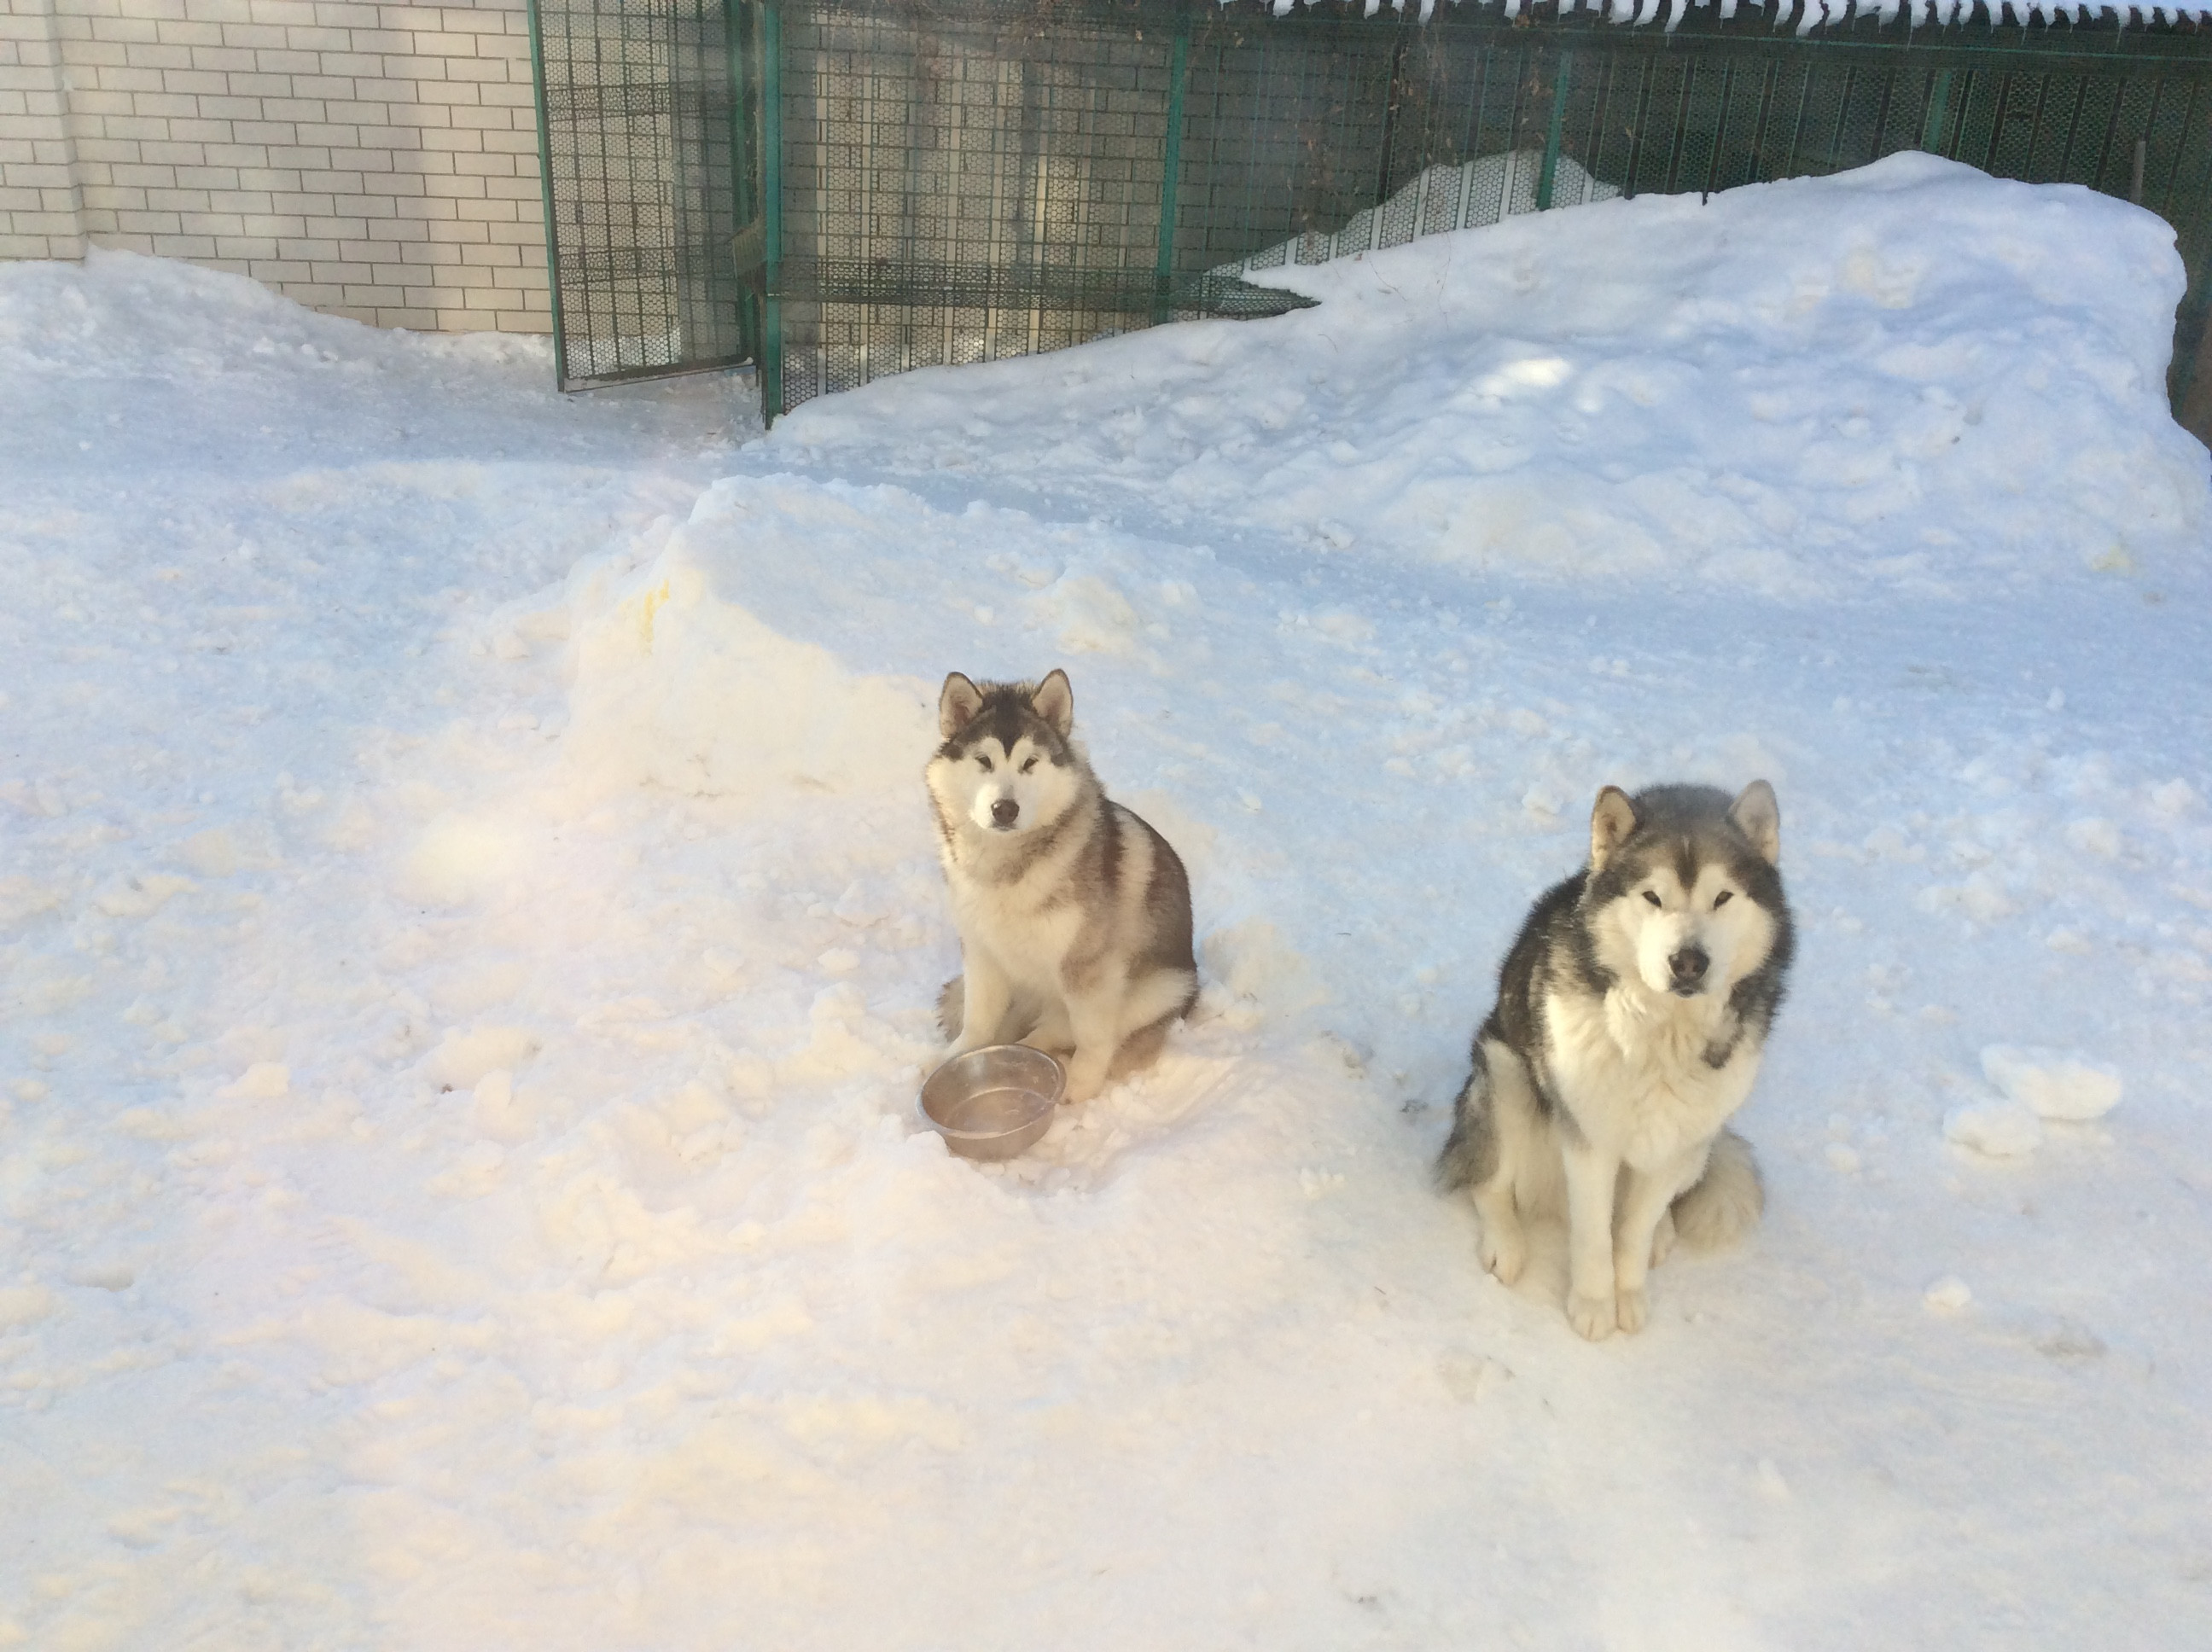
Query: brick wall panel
column 373, row 160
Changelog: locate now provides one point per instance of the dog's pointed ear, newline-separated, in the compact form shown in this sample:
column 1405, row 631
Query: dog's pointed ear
column 1054, row 702
column 1758, row 818
column 1611, row 821
column 958, row 703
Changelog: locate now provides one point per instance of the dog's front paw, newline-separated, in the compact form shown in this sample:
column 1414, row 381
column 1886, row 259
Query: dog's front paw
column 1084, row 1080
column 1591, row 1316
column 1503, row 1251
column 1632, row 1310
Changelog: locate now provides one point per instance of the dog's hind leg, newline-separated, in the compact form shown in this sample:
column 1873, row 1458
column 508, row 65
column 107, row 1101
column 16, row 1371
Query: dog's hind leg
column 1504, row 1247
column 1140, row 1049
column 1492, row 1120
column 1724, row 1203
column 1154, row 1005
column 1094, row 1026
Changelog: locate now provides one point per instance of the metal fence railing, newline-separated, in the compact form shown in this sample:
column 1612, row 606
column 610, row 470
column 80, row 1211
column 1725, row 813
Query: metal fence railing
column 842, row 189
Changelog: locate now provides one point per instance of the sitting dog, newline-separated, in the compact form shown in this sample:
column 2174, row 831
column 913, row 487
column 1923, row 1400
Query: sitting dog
column 1074, row 915
column 1632, row 1013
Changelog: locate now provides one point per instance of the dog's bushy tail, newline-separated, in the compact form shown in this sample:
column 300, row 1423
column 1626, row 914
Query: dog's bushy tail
column 1470, row 1153
column 1727, row 1201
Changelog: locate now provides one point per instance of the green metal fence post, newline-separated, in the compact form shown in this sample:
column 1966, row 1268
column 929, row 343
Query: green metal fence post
column 545, row 190
column 771, row 207
column 1939, row 103
column 1545, row 178
column 744, row 203
column 1171, row 167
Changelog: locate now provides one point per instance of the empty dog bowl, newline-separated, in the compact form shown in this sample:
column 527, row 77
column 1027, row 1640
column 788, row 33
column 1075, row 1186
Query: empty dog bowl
column 993, row 1102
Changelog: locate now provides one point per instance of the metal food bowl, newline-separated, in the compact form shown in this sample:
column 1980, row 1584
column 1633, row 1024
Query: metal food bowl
column 994, row 1103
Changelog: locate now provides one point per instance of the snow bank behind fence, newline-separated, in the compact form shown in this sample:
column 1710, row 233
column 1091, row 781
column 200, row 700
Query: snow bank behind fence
column 1912, row 374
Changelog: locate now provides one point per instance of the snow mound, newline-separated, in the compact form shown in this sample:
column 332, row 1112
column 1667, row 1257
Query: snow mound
column 2036, row 1084
column 681, row 687
column 1909, row 376
column 1994, row 1126
column 1948, row 1295
column 121, row 315
column 2053, row 1083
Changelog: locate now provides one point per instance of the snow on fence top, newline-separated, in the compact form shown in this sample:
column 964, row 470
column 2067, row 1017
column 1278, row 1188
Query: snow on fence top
column 1813, row 14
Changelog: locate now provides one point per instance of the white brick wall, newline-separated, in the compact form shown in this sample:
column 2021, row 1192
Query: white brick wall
column 379, row 161
column 41, row 209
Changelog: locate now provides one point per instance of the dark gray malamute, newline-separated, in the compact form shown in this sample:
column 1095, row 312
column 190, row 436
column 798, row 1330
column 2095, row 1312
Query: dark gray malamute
column 1632, row 1014
column 1074, row 915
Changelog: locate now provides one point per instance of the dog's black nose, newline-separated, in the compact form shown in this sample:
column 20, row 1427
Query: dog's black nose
column 1689, row 966
column 1004, row 812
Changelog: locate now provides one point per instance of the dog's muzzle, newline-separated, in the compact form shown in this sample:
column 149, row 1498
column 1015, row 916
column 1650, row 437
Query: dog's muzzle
column 1687, row 971
column 1003, row 813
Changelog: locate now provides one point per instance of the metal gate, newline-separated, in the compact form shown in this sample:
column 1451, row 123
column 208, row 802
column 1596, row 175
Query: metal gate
column 648, row 130
column 835, row 190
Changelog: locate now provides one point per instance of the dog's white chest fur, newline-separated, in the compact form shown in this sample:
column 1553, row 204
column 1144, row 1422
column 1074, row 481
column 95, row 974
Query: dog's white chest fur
column 1633, row 1069
column 1020, row 923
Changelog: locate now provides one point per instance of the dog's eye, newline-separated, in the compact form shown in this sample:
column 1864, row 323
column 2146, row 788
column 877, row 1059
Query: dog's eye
column 1651, row 897
column 1028, row 766
column 985, row 761
column 1723, row 899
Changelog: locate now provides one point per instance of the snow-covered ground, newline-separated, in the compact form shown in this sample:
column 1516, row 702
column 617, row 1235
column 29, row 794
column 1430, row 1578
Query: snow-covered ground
column 469, row 918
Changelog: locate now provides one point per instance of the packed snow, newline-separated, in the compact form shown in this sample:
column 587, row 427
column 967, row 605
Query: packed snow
column 470, row 923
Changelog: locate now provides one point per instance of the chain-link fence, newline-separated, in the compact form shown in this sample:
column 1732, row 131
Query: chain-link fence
column 842, row 189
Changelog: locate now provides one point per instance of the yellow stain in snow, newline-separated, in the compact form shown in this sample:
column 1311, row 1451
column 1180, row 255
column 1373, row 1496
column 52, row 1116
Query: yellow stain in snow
column 652, row 600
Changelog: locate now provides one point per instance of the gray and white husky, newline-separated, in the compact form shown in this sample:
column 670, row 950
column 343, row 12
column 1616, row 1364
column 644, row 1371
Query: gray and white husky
column 1074, row 915
column 1632, row 1014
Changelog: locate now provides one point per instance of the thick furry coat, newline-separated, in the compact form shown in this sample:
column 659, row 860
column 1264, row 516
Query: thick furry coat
column 1632, row 1014
column 1074, row 914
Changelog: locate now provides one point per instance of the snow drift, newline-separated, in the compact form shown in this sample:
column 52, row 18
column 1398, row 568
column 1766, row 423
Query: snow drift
column 678, row 686
column 1910, row 375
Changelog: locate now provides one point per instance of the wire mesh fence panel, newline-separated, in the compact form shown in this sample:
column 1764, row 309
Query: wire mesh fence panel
column 963, row 181
column 2021, row 97
column 2125, row 104
column 640, row 140
column 847, row 188
column 1897, row 109
column 1456, row 102
column 1698, row 128
column 2180, row 132
column 1284, row 134
column 1744, row 107
column 1660, row 123
column 2054, row 131
column 1856, row 100
column 1980, row 124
